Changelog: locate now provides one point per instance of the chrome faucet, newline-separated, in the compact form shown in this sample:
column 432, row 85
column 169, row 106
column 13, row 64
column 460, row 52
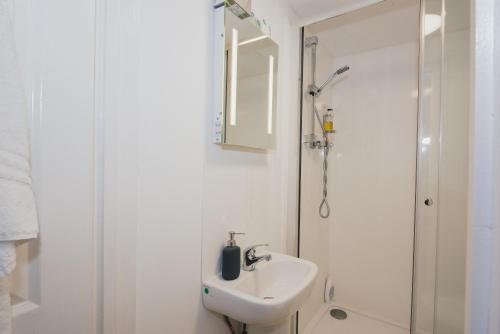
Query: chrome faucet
column 250, row 259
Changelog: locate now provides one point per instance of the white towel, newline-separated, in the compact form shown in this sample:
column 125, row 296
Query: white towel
column 5, row 310
column 18, row 218
column 7, row 257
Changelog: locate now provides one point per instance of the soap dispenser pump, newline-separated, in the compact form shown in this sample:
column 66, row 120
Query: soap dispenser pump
column 231, row 258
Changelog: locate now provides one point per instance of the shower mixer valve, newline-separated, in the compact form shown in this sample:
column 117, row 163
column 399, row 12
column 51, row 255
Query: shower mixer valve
column 315, row 141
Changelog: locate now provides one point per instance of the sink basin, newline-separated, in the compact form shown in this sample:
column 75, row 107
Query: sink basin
column 266, row 296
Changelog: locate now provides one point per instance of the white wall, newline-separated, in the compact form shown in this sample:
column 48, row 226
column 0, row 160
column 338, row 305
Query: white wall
column 172, row 95
column 248, row 190
column 373, row 182
column 169, row 189
column 55, row 46
column 483, row 295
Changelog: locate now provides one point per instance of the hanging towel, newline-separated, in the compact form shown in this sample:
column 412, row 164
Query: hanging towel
column 7, row 258
column 18, row 218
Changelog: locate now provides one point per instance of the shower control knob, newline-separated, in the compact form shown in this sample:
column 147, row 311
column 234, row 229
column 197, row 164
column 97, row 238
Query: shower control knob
column 428, row 201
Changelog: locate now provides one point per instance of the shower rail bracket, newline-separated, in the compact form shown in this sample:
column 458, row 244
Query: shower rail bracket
column 314, row 90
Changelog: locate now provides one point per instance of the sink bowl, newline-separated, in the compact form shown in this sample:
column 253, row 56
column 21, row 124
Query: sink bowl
column 266, row 296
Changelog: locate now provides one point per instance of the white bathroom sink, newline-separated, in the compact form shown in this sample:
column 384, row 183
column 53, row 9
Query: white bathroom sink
column 266, row 296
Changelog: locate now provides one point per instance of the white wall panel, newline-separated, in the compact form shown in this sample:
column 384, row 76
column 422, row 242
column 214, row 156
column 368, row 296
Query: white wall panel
column 55, row 41
column 373, row 182
column 171, row 189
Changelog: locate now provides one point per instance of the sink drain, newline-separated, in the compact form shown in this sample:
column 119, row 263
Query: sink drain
column 338, row 314
column 268, row 297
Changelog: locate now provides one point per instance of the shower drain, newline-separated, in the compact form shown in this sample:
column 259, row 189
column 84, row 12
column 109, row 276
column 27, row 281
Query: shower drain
column 338, row 314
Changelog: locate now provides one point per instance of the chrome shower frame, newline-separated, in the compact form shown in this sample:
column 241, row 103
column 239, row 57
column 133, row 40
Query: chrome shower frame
column 325, row 145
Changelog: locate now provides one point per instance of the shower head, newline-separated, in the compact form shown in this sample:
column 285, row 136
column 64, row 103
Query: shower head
column 311, row 41
column 342, row 70
column 316, row 91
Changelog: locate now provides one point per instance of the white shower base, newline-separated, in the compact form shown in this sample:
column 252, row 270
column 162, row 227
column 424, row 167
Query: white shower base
column 356, row 323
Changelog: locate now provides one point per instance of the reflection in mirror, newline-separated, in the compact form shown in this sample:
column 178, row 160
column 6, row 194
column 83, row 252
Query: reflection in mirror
column 250, row 83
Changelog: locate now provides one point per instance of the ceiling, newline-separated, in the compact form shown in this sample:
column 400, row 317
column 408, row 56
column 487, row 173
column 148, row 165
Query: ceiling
column 388, row 23
column 383, row 24
column 310, row 11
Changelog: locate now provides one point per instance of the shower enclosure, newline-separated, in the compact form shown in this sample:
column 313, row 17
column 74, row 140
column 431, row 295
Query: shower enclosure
column 391, row 252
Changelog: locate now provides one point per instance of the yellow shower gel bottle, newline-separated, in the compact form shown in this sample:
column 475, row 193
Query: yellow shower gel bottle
column 328, row 126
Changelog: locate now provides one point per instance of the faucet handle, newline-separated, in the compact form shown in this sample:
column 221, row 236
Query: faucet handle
column 260, row 245
column 252, row 249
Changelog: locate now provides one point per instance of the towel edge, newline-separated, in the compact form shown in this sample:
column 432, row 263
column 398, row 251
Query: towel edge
column 18, row 236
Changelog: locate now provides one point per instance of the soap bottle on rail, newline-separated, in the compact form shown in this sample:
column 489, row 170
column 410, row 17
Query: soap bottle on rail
column 328, row 125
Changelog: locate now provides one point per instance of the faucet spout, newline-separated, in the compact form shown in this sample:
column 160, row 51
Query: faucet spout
column 250, row 260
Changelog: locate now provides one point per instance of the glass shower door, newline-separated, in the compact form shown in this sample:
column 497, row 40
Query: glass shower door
column 442, row 180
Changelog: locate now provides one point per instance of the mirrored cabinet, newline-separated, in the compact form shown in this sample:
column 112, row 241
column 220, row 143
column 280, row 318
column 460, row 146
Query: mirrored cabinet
column 246, row 73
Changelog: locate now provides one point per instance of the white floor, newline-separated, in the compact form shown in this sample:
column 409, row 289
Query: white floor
column 354, row 324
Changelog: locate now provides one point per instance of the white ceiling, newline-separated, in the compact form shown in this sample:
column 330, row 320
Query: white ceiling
column 388, row 23
column 310, row 11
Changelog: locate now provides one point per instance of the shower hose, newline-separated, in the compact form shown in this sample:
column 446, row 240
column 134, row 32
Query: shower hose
column 324, row 207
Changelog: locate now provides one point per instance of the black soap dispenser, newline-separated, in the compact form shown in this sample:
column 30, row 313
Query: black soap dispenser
column 231, row 259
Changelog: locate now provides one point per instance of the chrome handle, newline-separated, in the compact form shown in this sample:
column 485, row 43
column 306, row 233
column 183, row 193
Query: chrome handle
column 252, row 249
